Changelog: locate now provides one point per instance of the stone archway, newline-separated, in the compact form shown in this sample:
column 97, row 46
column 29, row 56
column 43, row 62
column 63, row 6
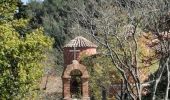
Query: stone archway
column 67, row 79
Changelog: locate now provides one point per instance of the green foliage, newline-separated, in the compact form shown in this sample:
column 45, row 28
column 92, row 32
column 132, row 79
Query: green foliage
column 107, row 20
column 102, row 74
column 21, row 56
column 20, row 61
column 21, row 11
column 7, row 9
column 58, row 18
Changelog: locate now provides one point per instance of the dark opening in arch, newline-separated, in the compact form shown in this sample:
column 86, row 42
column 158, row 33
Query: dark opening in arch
column 76, row 84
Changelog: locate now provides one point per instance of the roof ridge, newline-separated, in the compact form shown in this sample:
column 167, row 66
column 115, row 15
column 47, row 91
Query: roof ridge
column 80, row 41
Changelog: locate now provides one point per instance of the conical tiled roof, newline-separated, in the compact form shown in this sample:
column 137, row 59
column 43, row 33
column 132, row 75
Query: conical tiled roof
column 80, row 41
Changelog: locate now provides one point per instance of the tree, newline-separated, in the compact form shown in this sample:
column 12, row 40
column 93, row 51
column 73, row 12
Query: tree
column 118, row 29
column 59, row 21
column 102, row 75
column 21, row 11
column 56, row 18
column 117, row 25
column 20, row 55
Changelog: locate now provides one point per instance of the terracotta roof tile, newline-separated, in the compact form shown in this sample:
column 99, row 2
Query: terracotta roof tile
column 80, row 41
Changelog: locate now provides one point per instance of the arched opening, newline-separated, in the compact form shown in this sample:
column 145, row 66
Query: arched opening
column 76, row 84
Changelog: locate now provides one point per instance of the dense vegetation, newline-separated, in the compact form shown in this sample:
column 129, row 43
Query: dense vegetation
column 21, row 55
column 125, row 31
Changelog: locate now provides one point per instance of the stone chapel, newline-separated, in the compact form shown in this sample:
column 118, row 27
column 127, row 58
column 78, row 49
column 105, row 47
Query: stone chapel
column 75, row 76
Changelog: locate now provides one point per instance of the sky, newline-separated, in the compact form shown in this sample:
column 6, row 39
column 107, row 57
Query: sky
column 26, row 1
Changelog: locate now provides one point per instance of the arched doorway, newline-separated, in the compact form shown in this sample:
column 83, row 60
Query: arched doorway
column 76, row 84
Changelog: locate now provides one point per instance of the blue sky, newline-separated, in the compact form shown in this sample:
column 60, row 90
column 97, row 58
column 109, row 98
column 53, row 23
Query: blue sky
column 25, row 1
